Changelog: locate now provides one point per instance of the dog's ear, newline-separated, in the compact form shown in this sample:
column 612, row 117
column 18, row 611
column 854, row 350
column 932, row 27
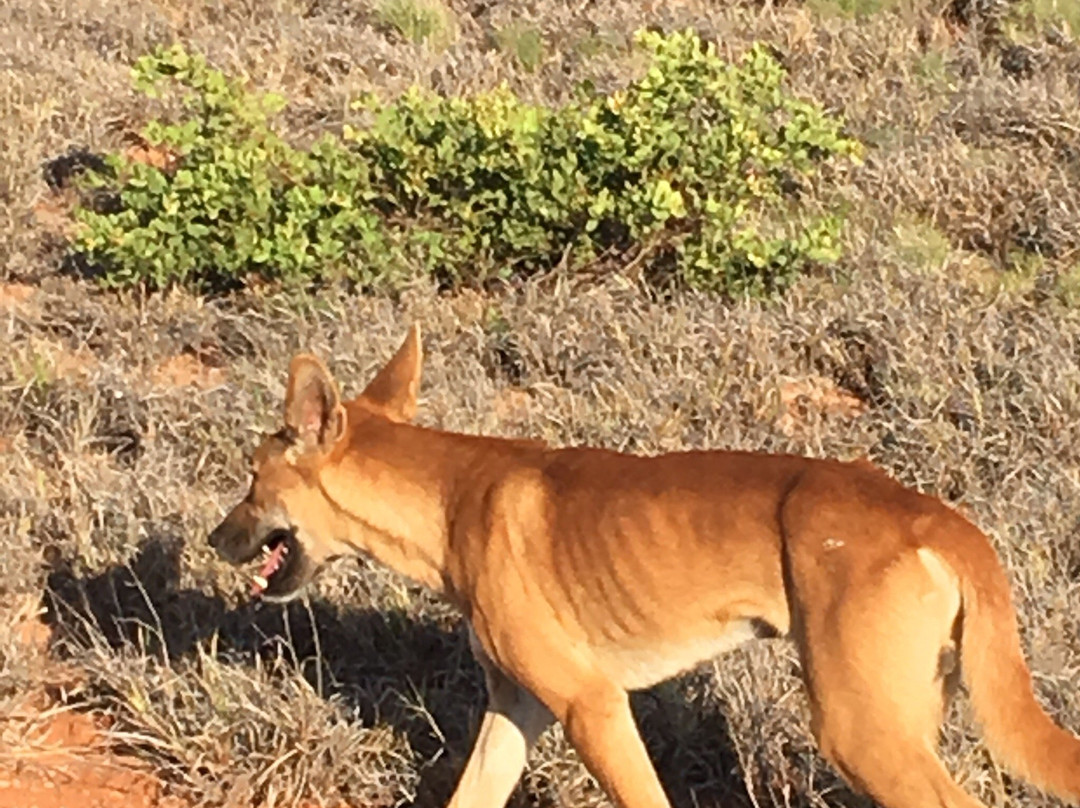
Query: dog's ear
column 395, row 388
column 312, row 403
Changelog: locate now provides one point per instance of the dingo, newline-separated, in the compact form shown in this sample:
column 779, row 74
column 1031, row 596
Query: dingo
column 586, row 573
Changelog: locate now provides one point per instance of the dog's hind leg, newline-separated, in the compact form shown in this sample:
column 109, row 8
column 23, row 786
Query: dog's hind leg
column 873, row 654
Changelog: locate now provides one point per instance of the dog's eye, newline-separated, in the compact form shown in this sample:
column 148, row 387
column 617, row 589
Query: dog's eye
column 286, row 435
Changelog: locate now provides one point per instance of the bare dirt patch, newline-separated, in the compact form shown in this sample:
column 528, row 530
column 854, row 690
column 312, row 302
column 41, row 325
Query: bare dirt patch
column 512, row 404
column 56, row 757
column 802, row 399
column 53, row 358
column 15, row 295
column 186, row 370
column 141, row 151
column 66, row 763
column 29, row 630
column 53, row 215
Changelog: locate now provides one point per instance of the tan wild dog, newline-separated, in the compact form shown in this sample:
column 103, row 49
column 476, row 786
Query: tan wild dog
column 586, row 573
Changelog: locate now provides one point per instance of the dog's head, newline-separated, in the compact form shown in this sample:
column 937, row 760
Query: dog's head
column 286, row 521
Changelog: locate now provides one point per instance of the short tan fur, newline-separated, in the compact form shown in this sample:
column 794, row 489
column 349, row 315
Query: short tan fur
column 585, row 573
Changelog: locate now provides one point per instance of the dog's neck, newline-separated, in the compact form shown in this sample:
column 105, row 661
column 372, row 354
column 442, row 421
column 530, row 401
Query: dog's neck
column 397, row 488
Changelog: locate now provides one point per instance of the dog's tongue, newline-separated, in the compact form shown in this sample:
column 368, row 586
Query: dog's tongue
column 273, row 561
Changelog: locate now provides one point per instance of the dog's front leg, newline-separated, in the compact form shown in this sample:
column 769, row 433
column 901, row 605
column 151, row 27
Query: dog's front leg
column 601, row 727
column 511, row 725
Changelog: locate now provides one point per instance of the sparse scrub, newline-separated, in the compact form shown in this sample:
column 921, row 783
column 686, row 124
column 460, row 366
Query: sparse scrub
column 921, row 246
column 1067, row 287
column 522, row 41
column 605, row 41
column 851, row 8
column 426, row 22
column 697, row 165
column 967, row 372
column 933, row 69
column 1039, row 15
column 201, row 717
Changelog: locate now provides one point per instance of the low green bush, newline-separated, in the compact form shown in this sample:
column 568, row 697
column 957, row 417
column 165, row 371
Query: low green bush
column 696, row 168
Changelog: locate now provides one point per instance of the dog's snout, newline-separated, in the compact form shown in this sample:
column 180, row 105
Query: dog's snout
column 217, row 536
column 225, row 536
column 236, row 538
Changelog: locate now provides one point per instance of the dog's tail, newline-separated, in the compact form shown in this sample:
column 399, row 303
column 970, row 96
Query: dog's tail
column 1018, row 731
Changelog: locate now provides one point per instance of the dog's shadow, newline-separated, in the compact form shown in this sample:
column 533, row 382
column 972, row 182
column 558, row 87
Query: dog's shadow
column 366, row 656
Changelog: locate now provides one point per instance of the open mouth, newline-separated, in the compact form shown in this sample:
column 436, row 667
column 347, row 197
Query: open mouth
column 277, row 553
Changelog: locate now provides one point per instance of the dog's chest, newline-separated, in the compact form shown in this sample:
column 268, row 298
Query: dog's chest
column 638, row 664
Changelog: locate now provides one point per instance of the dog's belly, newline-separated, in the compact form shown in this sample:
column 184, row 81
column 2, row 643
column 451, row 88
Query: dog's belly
column 638, row 664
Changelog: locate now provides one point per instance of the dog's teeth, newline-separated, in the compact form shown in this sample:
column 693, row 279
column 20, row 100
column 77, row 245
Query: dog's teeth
column 266, row 550
column 260, row 582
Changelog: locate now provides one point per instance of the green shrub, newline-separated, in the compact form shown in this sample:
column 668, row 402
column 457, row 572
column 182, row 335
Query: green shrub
column 689, row 169
column 241, row 200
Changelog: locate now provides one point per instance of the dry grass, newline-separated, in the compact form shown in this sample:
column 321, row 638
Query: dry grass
column 124, row 418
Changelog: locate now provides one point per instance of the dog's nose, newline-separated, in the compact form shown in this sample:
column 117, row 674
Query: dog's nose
column 217, row 535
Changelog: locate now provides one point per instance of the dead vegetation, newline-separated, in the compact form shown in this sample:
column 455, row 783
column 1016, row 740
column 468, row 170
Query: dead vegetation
column 946, row 349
